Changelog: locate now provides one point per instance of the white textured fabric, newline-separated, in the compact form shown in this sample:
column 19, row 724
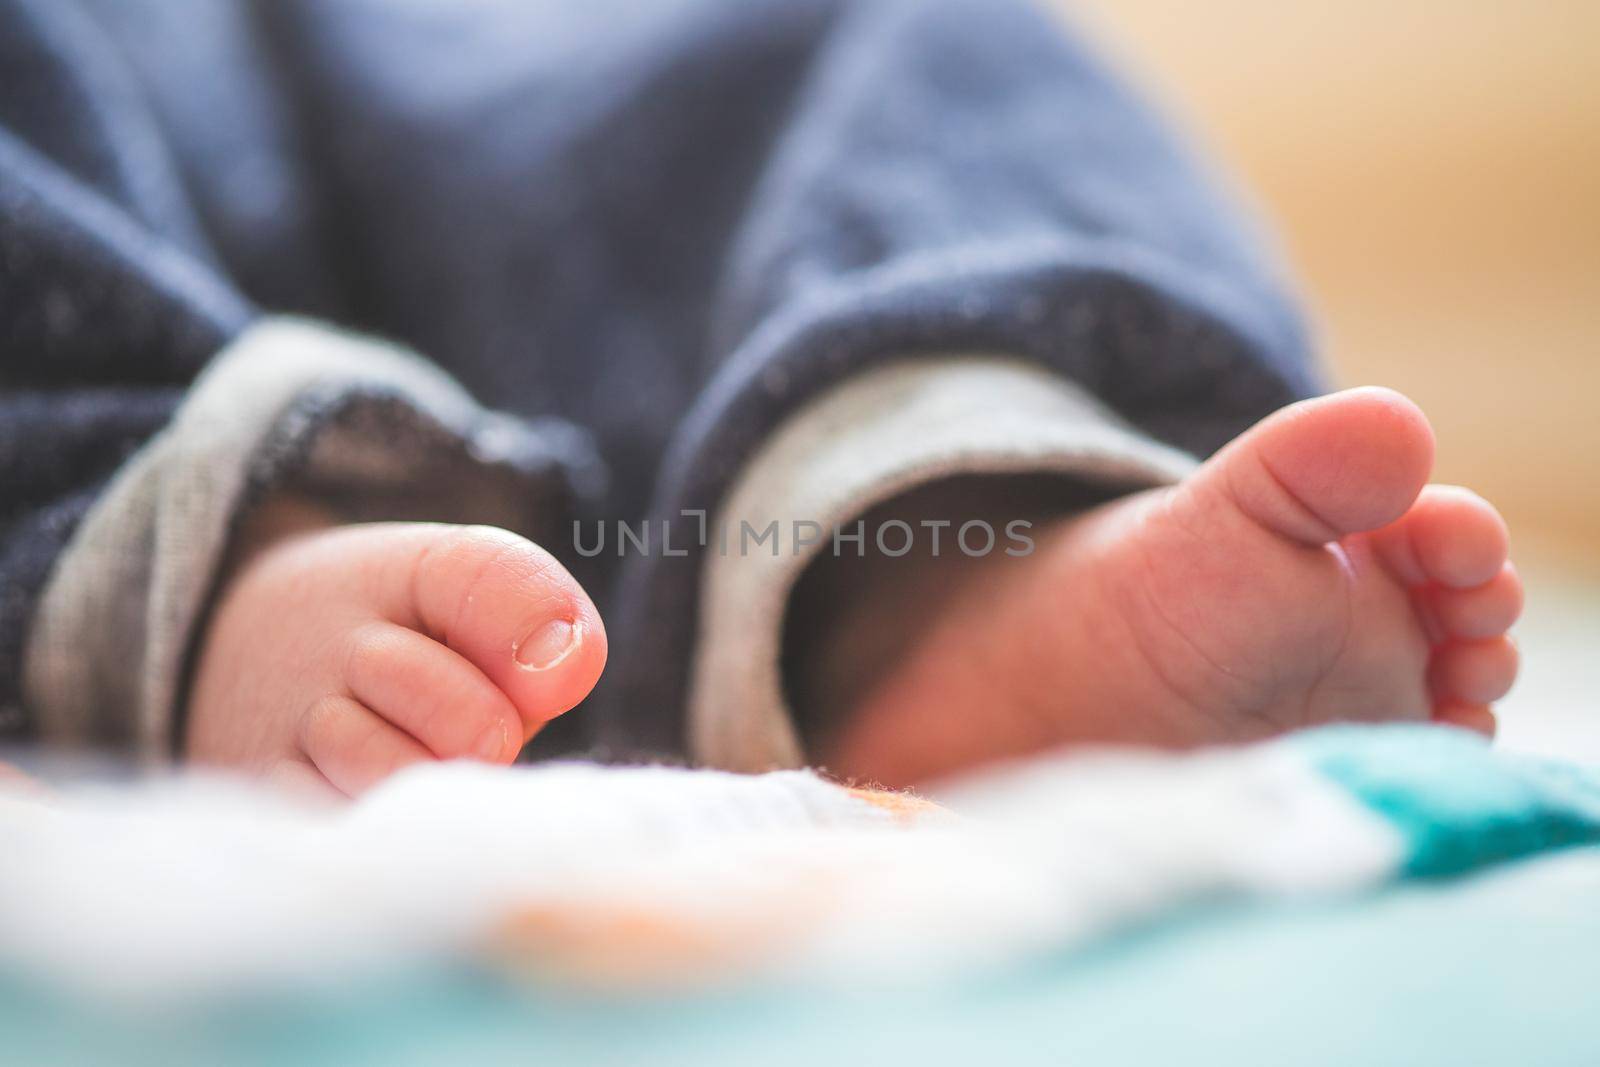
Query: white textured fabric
column 655, row 876
column 862, row 444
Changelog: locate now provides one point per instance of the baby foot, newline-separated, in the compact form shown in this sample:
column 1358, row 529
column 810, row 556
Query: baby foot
column 1303, row 575
column 338, row 655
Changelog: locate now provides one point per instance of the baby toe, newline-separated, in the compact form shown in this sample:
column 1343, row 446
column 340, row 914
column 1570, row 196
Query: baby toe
column 1478, row 718
column 505, row 604
column 432, row 693
column 1474, row 672
column 353, row 748
column 1334, row 465
column 1458, row 538
column 1485, row 611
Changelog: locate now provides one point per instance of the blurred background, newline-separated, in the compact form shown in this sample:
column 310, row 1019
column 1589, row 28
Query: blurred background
column 1432, row 168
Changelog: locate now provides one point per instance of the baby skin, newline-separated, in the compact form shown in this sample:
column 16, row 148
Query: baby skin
column 339, row 654
column 1303, row 575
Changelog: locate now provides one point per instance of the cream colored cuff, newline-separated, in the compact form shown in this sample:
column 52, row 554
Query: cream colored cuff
column 860, row 445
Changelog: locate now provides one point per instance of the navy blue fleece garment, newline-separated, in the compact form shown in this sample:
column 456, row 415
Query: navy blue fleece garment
column 668, row 222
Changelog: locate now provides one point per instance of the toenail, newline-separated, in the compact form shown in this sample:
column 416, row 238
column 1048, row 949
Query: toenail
column 547, row 644
column 492, row 742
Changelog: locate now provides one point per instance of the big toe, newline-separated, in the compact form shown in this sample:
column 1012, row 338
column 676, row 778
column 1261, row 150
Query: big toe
column 508, row 607
column 1323, row 468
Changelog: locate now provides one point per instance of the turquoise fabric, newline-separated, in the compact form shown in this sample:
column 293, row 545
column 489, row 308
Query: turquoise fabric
column 1459, row 803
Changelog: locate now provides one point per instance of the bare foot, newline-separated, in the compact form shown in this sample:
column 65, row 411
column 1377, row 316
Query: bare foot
column 338, row 655
column 1303, row 575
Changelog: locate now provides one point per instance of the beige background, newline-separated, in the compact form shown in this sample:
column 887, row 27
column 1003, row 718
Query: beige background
column 1434, row 170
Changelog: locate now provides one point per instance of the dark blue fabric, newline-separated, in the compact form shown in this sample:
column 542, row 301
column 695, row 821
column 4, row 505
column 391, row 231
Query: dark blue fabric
column 669, row 222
